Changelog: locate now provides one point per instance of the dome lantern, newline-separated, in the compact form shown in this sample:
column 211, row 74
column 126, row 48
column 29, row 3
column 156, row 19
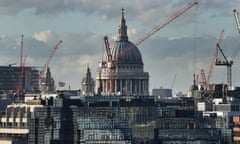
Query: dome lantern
column 122, row 30
column 131, row 57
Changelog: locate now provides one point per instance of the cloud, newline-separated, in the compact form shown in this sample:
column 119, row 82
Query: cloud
column 163, row 57
column 43, row 36
column 178, row 37
column 79, row 44
column 131, row 32
column 143, row 11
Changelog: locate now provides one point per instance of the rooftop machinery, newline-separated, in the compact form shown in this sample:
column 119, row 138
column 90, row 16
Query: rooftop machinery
column 112, row 60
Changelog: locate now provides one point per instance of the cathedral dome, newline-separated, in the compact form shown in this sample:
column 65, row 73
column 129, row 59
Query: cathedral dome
column 133, row 56
column 121, row 70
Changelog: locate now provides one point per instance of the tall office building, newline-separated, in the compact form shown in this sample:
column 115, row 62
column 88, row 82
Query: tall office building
column 23, row 78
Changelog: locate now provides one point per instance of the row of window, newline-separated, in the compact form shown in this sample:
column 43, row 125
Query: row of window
column 130, row 67
column 12, row 124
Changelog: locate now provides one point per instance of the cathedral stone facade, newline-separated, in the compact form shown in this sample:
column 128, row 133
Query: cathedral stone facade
column 129, row 77
column 87, row 84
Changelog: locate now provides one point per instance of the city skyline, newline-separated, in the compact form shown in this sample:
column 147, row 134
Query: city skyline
column 171, row 56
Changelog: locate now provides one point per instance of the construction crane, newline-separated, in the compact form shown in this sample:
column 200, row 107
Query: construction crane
column 157, row 28
column 204, row 80
column 236, row 15
column 49, row 58
column 19, row 86
column 21, row 64
column 108, row 51
column 228, row 62
column 111, row 65
column 215, row 55
column 225, row 62
column 43, row 71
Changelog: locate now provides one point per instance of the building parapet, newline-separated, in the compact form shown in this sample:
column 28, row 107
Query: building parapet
column 189, row 134
column 14, row 131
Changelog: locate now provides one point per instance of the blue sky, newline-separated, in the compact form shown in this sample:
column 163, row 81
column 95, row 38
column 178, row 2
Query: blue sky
column 179, row 49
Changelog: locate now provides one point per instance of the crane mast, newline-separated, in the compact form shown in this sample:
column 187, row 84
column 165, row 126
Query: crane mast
column 107, row 47
column 139, row 41
column 21, row 65
column 109, row 64
column 204, row 80
column 19, row 86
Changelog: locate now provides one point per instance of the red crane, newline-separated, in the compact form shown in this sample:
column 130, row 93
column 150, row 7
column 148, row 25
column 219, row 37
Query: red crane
column 156, row 29
column 49, row 58
column 109, row 64
column 215, row 55
column 19, row 86
column 139, row 41
column 228, row 62
column 43, row 71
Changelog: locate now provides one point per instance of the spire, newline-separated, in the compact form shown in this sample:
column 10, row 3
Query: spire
column 194, row 86
column 122, row 30
column 88, row 74
column 194, row 79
